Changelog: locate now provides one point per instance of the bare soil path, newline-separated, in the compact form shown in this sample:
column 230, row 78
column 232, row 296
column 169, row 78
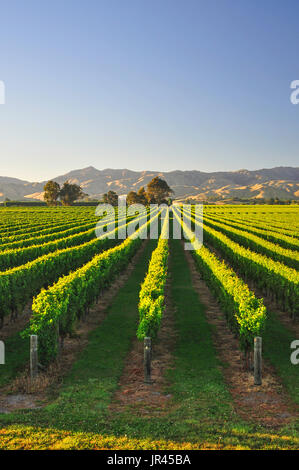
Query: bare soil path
column 145, row 399
column 21, row 393
column 268, row 404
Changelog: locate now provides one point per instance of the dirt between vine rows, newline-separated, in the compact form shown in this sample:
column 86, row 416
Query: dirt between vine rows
column 148, row 400
column 267, row 404
column 22, row 394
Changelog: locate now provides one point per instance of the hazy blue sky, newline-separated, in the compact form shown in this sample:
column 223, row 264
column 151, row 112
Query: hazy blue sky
column 147, row 84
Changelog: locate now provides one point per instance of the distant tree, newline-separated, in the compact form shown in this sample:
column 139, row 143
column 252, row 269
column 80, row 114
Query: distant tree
column 69, row 193
column 158, row 191
column 51, row 193
column 6, row 200
column 137, row 198
column 142, row 196
column 111, row 198
column 132, row 198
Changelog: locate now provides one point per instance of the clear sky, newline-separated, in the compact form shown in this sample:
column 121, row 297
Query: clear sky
column 147, row 85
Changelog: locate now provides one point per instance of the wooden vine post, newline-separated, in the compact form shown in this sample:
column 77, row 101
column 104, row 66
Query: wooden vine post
column 33, row 357
column 147, row 360
column 257, row 360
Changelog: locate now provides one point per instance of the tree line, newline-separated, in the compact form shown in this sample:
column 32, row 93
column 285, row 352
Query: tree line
column 66, row 195
column 156, row 192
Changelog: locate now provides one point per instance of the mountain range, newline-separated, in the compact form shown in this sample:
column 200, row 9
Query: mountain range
column 281, row 182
